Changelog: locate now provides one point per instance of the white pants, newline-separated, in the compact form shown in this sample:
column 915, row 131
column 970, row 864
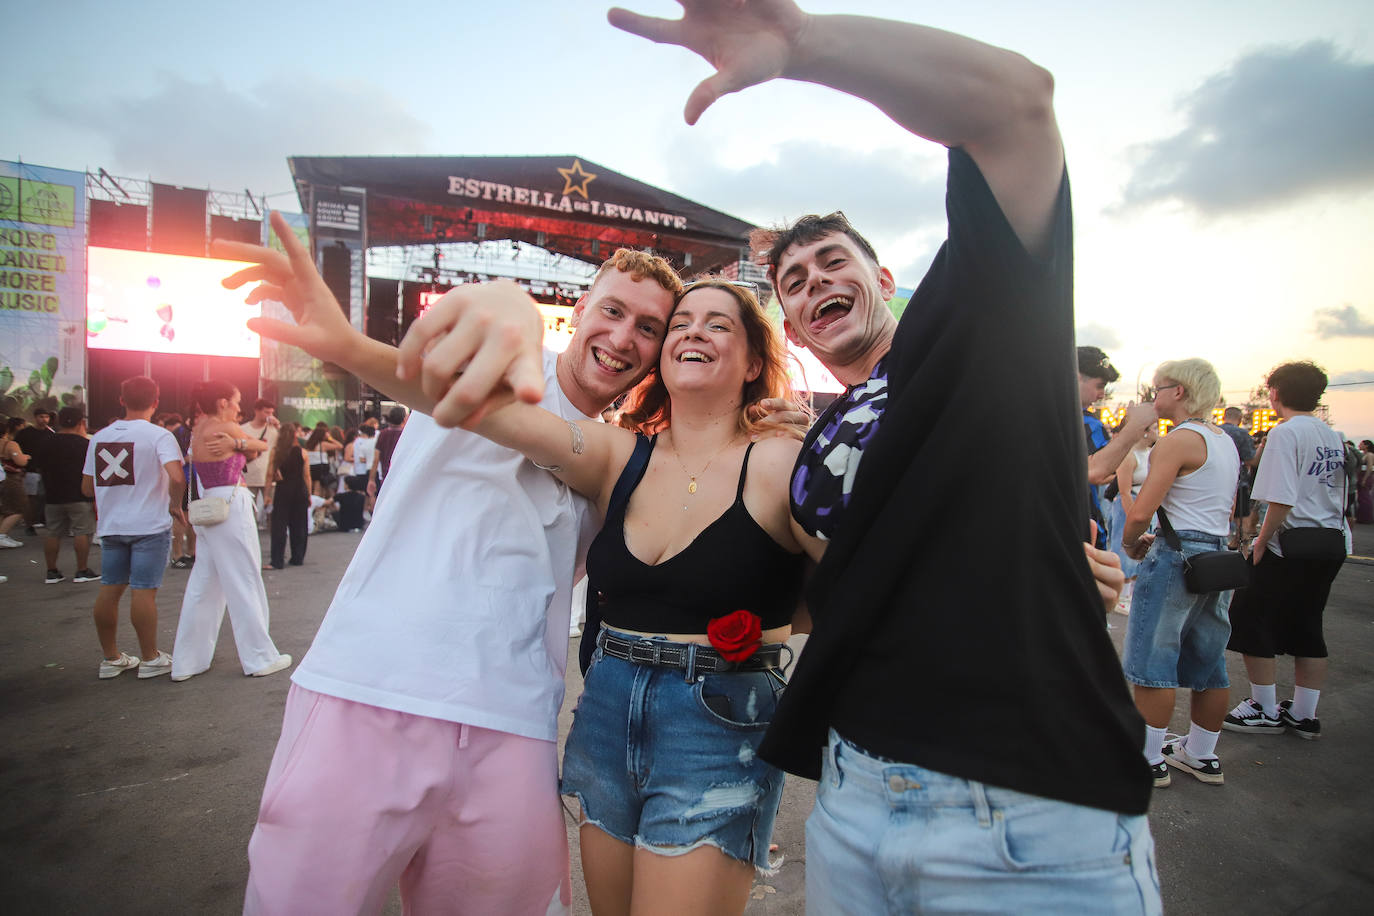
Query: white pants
column 228, row 570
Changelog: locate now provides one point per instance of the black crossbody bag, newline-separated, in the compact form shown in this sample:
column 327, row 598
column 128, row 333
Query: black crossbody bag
column 1316, row 543
column 1210, row 571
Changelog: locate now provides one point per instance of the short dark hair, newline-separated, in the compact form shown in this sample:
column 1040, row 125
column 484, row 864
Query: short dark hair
column 139, row 392
column 70, row 417
column 367, row 432
column 396, row 416
column 769, row 245
column 42, row 410
column 263, row 404
column 1233, row 411
column 1093, row 362
column 1300, row 385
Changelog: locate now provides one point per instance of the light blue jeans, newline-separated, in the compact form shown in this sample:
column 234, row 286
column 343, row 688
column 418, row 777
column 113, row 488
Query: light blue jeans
column 898, row 838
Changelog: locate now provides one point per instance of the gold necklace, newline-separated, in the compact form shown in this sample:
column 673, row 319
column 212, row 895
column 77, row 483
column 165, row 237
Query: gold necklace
column 692, row 478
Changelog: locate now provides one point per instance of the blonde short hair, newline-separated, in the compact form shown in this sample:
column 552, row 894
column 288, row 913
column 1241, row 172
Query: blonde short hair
column 1201, row 385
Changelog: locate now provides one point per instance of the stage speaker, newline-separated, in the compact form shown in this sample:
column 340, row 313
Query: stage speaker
column 179, row 220
column 336, row 264
column 384, row 310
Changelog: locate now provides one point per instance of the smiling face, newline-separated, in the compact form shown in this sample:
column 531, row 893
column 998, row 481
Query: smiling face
column 619, row 329
column 834, row 301
column 707, row 346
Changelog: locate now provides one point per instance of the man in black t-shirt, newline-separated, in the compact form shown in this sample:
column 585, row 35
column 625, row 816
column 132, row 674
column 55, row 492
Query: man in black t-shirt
column 33, row 441
column 944, row 708
column 69, row 512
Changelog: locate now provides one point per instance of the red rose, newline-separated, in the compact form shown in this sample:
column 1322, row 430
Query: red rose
column 736, row 636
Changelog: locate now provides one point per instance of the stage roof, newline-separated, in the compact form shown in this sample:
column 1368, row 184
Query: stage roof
column 565, row 204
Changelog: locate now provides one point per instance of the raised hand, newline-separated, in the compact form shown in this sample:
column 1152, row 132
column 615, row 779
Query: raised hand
column 321, row 329
column 747, row 41
column 475, row 349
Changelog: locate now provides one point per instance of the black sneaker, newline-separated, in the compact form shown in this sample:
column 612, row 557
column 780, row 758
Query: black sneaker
column 54, row 577
column 86, row 575
column 1303, row 728
column 1209, row 771
column 1250, row 717
column 1160, row 771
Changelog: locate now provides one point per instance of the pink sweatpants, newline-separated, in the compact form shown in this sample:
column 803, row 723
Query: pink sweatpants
column 359, row 798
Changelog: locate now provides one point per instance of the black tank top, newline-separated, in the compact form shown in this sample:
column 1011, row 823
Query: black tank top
column 731, row 565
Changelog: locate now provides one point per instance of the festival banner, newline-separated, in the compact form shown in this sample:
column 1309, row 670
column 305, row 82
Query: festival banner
column 308, row 403
column 42, row 288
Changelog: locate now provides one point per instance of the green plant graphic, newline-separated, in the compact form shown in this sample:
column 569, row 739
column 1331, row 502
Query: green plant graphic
column 37, row 393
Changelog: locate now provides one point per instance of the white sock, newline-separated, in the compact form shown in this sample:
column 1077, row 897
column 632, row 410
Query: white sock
column 1304, row 703
column 1201, row 743
column 1266, row 695
column 1154, row 744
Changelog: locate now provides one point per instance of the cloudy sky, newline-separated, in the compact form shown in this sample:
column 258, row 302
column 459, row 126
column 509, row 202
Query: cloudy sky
column 1221, row 153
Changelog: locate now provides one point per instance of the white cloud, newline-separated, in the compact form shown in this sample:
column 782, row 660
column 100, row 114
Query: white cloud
column 1352, row 378
column 1345, row 321
column 1094, row 334
column 1279, row 124
column 888, row 194
column 207, row 134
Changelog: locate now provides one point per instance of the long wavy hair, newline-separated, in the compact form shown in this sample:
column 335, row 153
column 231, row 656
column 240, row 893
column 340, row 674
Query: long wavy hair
column 648, row 407
column 288, row 438
column 317, row 435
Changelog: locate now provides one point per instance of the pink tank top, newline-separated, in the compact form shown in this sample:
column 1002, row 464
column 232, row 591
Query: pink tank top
column 226, row 473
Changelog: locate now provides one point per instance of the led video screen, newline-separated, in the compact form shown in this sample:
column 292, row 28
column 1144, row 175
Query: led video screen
column 164, row 303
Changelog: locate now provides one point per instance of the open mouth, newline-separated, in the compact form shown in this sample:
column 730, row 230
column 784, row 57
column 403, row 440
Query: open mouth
column 693, row 356
column 830, row 311
column 608, row 362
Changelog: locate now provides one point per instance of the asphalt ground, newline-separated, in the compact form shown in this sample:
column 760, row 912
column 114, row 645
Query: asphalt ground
column 128, row 796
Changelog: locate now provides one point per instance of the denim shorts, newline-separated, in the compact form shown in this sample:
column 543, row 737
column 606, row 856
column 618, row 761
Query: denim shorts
column 669, row 765
column 1175, row 638
column 136, row 560
column 899, row 838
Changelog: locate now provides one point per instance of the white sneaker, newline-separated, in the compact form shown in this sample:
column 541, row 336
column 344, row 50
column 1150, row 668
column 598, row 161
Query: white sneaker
column 157, row 666
column 114, row 668
column 7, row 541
column 283, row 661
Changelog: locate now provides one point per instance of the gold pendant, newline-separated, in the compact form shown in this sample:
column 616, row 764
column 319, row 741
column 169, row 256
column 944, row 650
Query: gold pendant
column 692, row 487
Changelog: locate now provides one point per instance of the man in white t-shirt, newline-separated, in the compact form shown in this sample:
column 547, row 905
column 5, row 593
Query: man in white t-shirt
column 432, row 689
column 133, row 469
column 256, row 474
column 1302, row 478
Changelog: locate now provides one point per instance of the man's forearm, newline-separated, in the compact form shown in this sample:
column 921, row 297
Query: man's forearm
column 993, row 103
column 1273, row 521
column 1102, row 464
column 375, row 363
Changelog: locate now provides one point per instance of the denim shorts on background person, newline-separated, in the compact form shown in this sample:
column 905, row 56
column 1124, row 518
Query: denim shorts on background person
column 654, row 766
column 1175, row 638
column 899, row 838
column 135, row 560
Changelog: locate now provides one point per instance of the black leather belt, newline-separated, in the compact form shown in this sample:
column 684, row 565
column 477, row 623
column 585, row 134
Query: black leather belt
column 686, row 656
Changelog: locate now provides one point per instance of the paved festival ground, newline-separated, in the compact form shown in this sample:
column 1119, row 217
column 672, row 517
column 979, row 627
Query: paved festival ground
column 128, row 796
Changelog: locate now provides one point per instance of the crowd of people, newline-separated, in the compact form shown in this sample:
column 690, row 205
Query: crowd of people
column 715, row 518
column 1207, row 488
